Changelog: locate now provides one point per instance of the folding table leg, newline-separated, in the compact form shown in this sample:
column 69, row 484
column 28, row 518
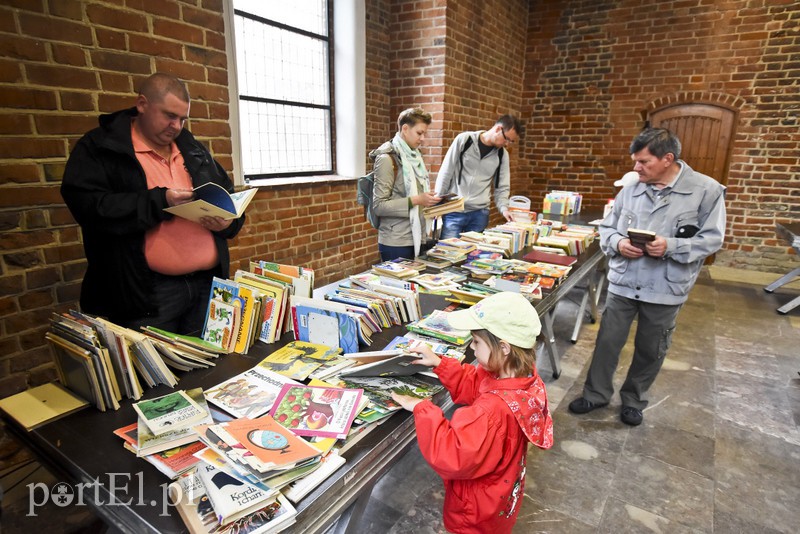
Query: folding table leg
column 550, row 342
column 785, row 279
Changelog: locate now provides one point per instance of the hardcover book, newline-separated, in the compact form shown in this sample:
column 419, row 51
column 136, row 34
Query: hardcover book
column 640, row 238
column 36, row 406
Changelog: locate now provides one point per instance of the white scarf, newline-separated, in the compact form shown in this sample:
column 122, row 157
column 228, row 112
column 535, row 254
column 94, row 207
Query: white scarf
column 414, row 174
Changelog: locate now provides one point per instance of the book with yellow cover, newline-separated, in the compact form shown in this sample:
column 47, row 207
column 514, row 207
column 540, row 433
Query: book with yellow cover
column 42, row 404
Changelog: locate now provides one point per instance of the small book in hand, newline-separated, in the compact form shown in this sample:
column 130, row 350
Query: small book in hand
column 212, row 200
column 640, row 238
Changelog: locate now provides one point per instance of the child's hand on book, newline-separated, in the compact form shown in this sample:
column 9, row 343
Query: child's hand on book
column 406, row 401
column 427, row 356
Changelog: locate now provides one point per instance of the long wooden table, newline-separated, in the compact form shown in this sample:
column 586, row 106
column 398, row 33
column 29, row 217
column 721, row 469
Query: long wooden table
column 130, row 494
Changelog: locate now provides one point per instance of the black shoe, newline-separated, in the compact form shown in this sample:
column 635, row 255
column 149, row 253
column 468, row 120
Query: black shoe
column 581, row 405
column 631, row 416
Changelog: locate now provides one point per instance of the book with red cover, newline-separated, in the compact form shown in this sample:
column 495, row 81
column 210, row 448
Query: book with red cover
column 547, row 257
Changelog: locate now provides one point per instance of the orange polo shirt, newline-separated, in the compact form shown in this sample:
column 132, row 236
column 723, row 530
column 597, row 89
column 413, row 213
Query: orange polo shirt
column 176, row 246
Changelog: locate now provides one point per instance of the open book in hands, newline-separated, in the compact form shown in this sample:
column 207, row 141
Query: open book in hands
column 212, row 200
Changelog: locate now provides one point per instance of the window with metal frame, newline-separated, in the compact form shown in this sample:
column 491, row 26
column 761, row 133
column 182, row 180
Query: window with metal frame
column 284, row 90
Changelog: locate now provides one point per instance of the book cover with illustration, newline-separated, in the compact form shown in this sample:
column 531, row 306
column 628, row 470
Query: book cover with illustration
column 173, row 411
column 271, row 442
column 379, row 389
column 231, row 497
column 317, row 411
column 249, row 394
column 188, row 494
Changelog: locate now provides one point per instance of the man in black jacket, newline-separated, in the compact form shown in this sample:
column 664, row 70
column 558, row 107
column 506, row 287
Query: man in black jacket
column 146, row 266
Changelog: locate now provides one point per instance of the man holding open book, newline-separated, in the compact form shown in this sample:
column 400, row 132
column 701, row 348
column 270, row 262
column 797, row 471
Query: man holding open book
column 146, row 266
column 656, row 237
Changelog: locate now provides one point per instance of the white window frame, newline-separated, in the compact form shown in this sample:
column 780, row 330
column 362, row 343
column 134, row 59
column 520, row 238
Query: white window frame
column 349, row 102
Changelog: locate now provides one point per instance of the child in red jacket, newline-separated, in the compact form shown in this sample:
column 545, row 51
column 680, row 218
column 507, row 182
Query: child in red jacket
column 480, row 452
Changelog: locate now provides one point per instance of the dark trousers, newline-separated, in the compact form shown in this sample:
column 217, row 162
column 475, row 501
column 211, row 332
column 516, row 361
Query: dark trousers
column 656, row 323
column 181, row 301
column 389, row 253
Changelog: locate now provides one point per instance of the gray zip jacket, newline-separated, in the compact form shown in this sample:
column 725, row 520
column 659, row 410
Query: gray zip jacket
column 693, row 200
column 478, row 176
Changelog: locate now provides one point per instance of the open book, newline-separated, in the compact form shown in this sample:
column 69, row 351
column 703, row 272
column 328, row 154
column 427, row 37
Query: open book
column 212, row 200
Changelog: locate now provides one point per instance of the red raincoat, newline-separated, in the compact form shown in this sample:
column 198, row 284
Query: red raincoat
column 480, row 452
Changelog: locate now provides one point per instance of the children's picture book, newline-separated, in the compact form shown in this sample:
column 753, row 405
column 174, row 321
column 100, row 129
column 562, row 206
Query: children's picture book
column 249, row 394
column 271, row 442
column 398, row 365
column 212, row 200
column 300, row 488
column 436, row 325
column 221, row 324
column 317, row 411
column 231, row 498
column 290, row 362
column 379, row 389
column 173, row 411
column 188, row 494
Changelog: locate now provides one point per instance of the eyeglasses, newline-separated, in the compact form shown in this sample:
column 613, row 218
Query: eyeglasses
column 507, row 140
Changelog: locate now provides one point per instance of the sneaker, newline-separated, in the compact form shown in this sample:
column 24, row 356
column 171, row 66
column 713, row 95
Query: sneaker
column 631, row 416
column 581, row 405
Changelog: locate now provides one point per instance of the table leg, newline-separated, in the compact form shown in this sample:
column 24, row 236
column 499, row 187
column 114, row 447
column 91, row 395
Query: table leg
column 579, row 318
column 789, row 306
column 550, row 342
column 785, row 279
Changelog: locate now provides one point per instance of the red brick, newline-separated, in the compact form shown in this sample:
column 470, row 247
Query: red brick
column 34, row 357
column 13, row 46
column 43, row 27
column 183, row 70
column 10, row 71
column 205, row 56
column 163, row 8
column 120, row 62
column 63, row 253
column 118, row 83
column 14, row 147
column 32, row 300
column 101, row 15
column 73, row 101
column 208, row 20
column 11, row 285
column 67, row 54
column 70, row 9
column 64, row 124
column 178, row 31
column 32, row 196
column 25, row 98
column 112, row 39
column 146, row 44
column 16, row 124
column 61, row 76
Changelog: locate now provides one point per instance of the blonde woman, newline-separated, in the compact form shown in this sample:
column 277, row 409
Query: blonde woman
column 401, row 187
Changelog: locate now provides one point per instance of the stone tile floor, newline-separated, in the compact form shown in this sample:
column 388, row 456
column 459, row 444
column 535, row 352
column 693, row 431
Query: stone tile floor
column 718, row 450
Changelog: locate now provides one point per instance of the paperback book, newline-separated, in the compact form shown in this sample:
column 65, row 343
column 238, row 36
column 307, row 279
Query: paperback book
column 317, row 411
column 249, row 394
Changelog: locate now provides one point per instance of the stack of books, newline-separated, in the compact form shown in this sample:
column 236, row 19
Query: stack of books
column 436, row 326
column 446, row 205
column 102, row 362
column 394, row 269
column 562, row 202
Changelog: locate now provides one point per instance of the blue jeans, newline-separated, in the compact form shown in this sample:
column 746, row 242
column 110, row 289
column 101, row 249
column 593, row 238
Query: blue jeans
column 389, row 253
column 468, row 221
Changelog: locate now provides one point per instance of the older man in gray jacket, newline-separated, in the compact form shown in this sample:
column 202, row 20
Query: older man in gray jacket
column 685, row 213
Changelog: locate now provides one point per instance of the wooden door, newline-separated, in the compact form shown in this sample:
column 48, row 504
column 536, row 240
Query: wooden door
column 706, row 133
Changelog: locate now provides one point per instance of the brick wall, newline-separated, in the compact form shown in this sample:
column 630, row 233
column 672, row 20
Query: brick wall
column 579, row 73
column 593, row 66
